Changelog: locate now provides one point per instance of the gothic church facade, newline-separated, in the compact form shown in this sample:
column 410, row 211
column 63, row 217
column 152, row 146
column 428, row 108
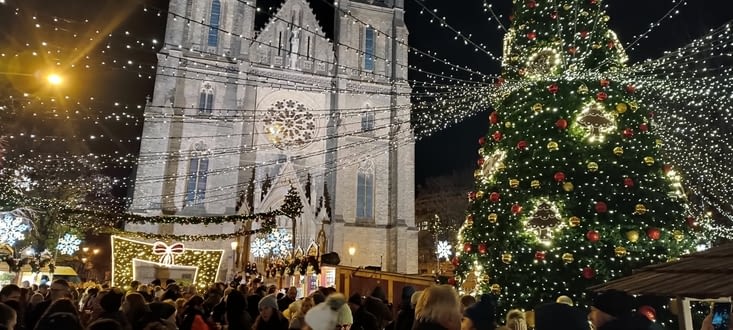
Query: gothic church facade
column 239, row 115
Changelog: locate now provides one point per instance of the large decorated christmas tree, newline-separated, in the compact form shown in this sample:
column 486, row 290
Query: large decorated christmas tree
column 570, row 188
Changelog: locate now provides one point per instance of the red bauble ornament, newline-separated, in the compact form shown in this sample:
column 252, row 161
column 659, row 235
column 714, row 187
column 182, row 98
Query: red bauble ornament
column 553, row 15
column 532, row 35
column 559, row 176
column 601, row 207
column 553, row 88
column 649, row 312
column 531, row 4
column 628, row 182
column 589, row 273
column 539, row 255
column 496, row 136
column 628, row 133
column 494, row 197
column 472, row 196
column 493, row 118
column 466, row 247
column 455, row 261
column 691, row 222
column 561, row 123
column 583, row 34
column 593, row 2
column 654, row 233
column 516, row 209
column 601, row 96
column 482, row 248
column 604, row 82
column 593, row 236
column 631, row 89
column 611, row 44
column 480, row 162
column 644, row 127
column 452, row 281
column 482, row 140
column 499, row 81
column 521, row 145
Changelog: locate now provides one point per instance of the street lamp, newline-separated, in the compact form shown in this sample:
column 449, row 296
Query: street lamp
column 234, row 246
column 352, row 252
column 54, row 79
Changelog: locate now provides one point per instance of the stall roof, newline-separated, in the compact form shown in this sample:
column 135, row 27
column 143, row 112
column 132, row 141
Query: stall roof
column 703, row 275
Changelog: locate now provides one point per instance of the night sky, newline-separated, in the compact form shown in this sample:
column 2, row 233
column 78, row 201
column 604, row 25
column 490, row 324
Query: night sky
column 448, row 151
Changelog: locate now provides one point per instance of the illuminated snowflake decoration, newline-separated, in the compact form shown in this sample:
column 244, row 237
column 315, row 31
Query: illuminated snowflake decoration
column 68, row 244
column 280, row 242
column 12, row 228
column 443, row 250
column 260, row 247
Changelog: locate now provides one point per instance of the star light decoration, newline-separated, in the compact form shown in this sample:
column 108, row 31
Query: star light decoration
column 443, row 250
column 12, row 228
column 278, row 244
column 68, row 244
column 260, row 247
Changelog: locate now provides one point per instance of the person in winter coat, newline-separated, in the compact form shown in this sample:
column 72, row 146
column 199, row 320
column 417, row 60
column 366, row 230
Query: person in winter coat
column 363, row 320
column 481, row 315
column 237, row 316
column 193, row 315
column 559, row 316
column 377, row 304
column 330, row 315
column 297, row 320
column 406, row 315
column 8, row 317
column 438, row 309
column 270, row 317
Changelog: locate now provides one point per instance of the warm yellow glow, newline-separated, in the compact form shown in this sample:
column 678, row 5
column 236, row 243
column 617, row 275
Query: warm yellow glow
column 352, row 251
column 55, row 79
column 234, row 245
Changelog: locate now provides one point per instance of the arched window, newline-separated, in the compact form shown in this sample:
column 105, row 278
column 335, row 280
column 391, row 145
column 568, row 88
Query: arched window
column 367, row 120
column 214, row 23
column 206, row 98
column 365, row 191
column 198, row 168
column 369, row 44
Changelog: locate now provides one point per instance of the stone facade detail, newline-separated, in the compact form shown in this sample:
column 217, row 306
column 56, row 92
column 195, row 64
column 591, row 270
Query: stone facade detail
column 207, row 128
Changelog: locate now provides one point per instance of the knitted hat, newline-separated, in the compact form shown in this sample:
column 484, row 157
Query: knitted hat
column 555, row 316
column 614, row 303
column 268, row 301
column 482, row 313
column 330, row 314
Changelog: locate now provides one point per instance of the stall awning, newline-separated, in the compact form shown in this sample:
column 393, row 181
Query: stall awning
column 702, row 275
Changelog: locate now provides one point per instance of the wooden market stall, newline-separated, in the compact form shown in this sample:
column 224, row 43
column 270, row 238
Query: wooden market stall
column 351, row 280
column 701, row 276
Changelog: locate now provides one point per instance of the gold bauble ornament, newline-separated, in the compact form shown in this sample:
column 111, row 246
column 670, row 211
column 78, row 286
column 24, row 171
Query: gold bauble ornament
column 568, row 258
column 479, row 194
column 567, row 6
column 640, row 209
column 621, row 107
column 678, row 235
column 501, row 167
column 535, row 184
column 508, row 124
column 513, row 183
column 506, row 258
column 495, row 288
column 606, row 18
column 568, row 186
column 584, row 13
column 649, row 160
column 632, row 236
column 618, row 151
column 583, row 89
column 596, row 46
column 477, row 174
column 659, row 143
column 552, row 146
column 592, row 166
column 633, row 105
column 493, row 217
column 620, row 251
column 574, row 221
column 481, row 152
column 537, row 107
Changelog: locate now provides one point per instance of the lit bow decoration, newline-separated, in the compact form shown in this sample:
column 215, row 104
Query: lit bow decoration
column 167, row 253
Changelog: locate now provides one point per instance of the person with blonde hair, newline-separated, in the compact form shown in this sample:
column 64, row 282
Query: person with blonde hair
column 515, row 320
column 438, row 308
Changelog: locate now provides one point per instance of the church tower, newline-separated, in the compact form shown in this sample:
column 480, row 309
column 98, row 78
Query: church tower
column 278, row 106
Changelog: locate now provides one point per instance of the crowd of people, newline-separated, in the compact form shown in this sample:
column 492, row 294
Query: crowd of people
column 258, row 307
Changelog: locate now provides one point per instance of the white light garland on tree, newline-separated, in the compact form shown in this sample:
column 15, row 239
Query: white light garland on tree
column 68, row 244
column 12, row 228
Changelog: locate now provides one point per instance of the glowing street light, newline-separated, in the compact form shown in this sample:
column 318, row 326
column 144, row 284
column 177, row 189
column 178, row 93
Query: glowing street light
column 352, row 252
column 54, row 79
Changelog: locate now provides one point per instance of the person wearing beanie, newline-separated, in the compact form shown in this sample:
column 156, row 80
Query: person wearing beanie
column 406, row 315
column 608, row 306
column 363, row 320
column 270, row 317
column 481, row 315
column 331, row 314
column 557, row 316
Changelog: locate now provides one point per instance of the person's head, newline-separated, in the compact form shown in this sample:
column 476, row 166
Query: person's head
column 516, row 320
column 267, row 307
column 406, row 297
column 10, row 292
column 355, row 302
column 439, row 303
column 143, row 288
column 318, row 297
column 8, row 316
column 305, row 305
column 43, row 289
column 163, row 311
column 26, row 284
column 467, row 301
column 271, row 289
column 293, row 293
column 104, row 324
column 111, row 301
column 554, row 315
column 63, row 305
column 134, row 285
column 332, row 314
column 415, row 297
column 196, row 302
column 180, row 303
column 236, row 302
column 56, row 321
column 608, row 306
column 133, row 302
column 480, row 315
column 60, row 289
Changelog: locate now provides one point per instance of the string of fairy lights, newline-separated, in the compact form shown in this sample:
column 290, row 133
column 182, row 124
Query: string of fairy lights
column 460, row 99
